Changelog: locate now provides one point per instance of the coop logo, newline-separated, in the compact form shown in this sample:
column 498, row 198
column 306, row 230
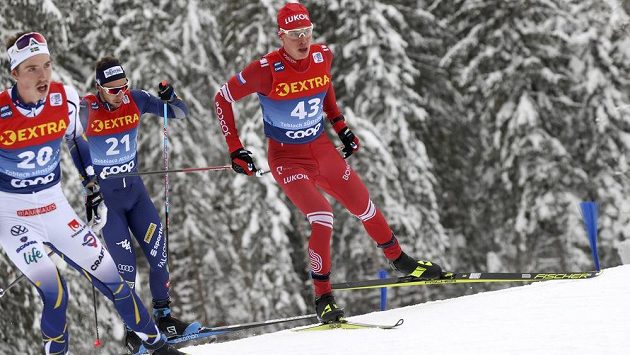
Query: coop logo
column 298, row 17
column 304, row 133
column 98, row 126
column 40, row 180
column 10, row 137
column 117, row 169
column 284, row 89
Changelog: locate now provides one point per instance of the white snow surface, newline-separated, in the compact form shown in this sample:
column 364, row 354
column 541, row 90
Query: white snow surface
column 569, row 317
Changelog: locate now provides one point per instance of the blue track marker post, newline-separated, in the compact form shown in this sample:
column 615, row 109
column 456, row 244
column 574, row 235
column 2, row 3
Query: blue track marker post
column 382, row 274
column 589, row 215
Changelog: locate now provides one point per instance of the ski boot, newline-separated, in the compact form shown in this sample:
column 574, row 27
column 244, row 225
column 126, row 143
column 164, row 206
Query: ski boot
column 161, row 347
column 327, row 309
column 417, row 268
column 171, row 326
column 132, row 341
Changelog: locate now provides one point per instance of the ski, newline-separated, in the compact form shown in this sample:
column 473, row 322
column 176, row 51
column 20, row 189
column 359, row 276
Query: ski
column 212, row 332
column 345, row 324
column 462, row 278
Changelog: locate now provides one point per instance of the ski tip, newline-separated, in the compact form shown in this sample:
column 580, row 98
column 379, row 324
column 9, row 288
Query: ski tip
column 400, row 322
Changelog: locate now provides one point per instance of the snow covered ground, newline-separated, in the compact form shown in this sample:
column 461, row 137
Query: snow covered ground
column 551, row 318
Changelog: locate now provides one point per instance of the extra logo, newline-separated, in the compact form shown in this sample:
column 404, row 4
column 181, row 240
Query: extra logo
column 284, row 89
column 118, row 122
column 5, row 111
column 304, row 133
column 318, row 57
column 56, row 99
column 9, row 137
column 90, row 240
column 18, row 230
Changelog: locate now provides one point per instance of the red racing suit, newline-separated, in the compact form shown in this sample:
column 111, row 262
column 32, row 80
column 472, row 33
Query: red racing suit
column 294, row 95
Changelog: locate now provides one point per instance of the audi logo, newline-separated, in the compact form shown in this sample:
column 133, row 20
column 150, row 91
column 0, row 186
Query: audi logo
column 304, row 133
column 126, row 268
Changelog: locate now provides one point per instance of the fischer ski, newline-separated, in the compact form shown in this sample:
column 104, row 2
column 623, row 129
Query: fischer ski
column 345, row 324
column 462, row 278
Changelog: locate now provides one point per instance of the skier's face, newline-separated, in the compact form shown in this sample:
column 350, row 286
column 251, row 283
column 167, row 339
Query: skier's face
column 114, row 91
column 33, row 78
column 297, row 42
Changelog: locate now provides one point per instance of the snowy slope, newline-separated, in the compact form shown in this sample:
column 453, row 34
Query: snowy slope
column 552, row 318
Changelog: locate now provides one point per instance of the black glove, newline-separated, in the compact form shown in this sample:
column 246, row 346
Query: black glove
column 349, row 140
column 165, row 91
column 242, row 162
column 95, row 208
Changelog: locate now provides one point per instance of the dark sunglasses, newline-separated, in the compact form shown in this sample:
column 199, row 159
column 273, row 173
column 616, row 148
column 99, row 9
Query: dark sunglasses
column 115, row 90
column 25, row 40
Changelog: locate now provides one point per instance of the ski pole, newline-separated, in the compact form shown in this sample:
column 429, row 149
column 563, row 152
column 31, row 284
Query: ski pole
column 16, row 281
column 97, row 342
column 165, row 168
column 258, row 173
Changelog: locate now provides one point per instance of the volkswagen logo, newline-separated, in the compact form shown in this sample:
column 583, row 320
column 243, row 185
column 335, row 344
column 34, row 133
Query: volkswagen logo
column 18, row 230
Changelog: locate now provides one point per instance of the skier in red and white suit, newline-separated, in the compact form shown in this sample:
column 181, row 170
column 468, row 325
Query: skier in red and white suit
column 295, row 88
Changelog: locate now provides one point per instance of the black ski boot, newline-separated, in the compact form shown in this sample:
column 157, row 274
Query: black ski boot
column 171, row 326
column 132, row 341
column 327, row 309
column 417, row 268
column 167, row 350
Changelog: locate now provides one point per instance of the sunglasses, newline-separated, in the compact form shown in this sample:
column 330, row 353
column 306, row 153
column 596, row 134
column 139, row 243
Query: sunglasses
column 25, row 40
column 116, row 89
column 298, row 33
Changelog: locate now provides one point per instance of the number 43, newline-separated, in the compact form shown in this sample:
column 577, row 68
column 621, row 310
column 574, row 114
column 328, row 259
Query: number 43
column 300, row 111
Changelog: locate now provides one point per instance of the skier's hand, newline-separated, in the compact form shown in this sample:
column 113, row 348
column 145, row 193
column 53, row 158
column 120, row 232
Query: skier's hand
column 165, row 91
column 95, row 207
column 349, row 140
column 242, row 162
